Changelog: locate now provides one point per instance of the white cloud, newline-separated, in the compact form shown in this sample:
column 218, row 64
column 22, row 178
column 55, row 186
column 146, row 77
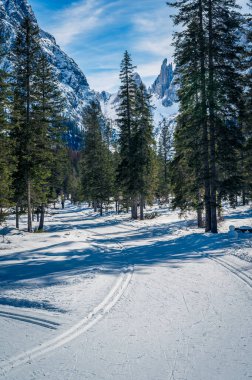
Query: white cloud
column 77, row 19
column 108, row 81
column 154, row 32
column 158, row 46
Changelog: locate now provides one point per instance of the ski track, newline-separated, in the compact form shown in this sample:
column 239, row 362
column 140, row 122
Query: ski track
column 30, row 319
column 233, row 269
column 77, row 329
column 99, row 311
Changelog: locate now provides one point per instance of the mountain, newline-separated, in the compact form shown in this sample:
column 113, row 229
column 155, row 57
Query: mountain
column 164, row 87
column 164, row 97
column 71, row 80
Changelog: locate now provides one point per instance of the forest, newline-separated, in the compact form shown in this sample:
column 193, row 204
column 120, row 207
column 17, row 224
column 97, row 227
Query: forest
column 205, row 162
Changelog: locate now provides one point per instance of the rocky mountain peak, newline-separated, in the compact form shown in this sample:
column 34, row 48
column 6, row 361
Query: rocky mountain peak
column 71, row 81
column 164, row 79
column 14, row 11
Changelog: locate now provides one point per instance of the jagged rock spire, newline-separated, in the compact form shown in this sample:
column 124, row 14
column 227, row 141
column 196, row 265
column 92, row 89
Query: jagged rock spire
column 163, row 81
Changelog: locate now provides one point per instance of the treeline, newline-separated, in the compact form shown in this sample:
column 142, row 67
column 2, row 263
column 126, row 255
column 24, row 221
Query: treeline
column 33, row 158
column 208, row 159
column 205, row 161
column 122, row 171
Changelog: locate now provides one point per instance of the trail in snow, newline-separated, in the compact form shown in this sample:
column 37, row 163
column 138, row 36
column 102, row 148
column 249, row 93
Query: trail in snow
column 181, row 316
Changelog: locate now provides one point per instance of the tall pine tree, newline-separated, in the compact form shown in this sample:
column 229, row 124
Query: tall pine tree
column 96, row 171
column 125, row 122
column 207, row 56
column 7, row 162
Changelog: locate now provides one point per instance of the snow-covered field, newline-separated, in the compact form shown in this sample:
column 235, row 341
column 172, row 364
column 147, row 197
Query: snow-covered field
column 108, row 298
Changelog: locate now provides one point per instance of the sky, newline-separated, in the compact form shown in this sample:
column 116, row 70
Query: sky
column 95, row 33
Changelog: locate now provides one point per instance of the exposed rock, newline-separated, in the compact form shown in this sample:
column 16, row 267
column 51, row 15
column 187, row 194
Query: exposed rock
column 71, row 80
column 163, row 81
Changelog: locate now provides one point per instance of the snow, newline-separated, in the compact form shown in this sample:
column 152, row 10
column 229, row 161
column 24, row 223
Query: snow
column 109, row 104
column 108, row 298
column 161, row 112
column 70, row 80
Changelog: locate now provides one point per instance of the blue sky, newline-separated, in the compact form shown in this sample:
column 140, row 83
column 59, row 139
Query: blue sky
column 95, row 33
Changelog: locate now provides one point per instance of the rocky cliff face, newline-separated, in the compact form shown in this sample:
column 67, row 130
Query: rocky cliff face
column 164, row 79
column 164, row 87
column 71, row 81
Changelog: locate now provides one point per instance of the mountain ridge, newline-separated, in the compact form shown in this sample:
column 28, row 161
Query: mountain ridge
column 71, row 80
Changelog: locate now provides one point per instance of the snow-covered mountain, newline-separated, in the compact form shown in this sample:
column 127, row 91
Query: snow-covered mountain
column 164, row 97
column 71, row 80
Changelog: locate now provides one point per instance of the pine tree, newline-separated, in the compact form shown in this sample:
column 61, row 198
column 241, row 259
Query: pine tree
column 26, row 53
column 125, row 121
column 7, row 162
column 37, row 129
column 96, row 171
column 165, row 153
column 246, row 120
column 224, row 90
column 210, row 91
column 49, row 133
column 143, row 156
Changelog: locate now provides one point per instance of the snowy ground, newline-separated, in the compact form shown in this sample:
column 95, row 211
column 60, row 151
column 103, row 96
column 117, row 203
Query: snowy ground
column 107, row 298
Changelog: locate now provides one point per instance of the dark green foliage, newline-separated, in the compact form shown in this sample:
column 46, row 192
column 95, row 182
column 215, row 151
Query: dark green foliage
column 136, row 144
column 97, row 169
column 208, row 138
column 143, row 157
column 165, row 153
column 7, row 161
column 125, row 121
column 37, row 126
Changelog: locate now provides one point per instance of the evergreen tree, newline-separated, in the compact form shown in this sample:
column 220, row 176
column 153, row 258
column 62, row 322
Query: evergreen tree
column 96, row 171
column 207, row 55
column 7, row 163
column 48, row 141
column 143, row 156
column 37, row 126
column 125, row 122
column 165, row 152
column 246, row 120
column 26, row 53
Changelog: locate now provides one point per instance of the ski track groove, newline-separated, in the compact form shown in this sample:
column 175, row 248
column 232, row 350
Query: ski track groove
column 29, row 319
column 79, row 328
column 234, row 270
column 76, row 330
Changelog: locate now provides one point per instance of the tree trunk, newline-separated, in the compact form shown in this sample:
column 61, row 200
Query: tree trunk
column 142, row 204
column 200, row 217
column 17, row 216
column 134, row 209
column 42, row 218
column 244, row 201
column 200, row 212
column 101, row 209
column 29, row 208
column 127, row 206
column 95, row 206
column 213, row 185
column 37, row 214
column 205, row 145
column 33, row 214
